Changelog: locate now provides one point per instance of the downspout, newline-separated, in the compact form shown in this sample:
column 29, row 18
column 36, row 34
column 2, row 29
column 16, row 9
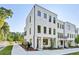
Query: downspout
column 34, row 28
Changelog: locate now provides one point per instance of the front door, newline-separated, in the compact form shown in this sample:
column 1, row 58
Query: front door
column 38, row 43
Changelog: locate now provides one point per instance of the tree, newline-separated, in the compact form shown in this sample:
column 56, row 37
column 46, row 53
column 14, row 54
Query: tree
column 77, row 39
column 19, row 37
column 4, row 14
column 6, row 30
column 10, row 37
column 1, row 35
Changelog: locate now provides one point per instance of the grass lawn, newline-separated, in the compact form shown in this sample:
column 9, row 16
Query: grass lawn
column 75, row 53
column 6, row 51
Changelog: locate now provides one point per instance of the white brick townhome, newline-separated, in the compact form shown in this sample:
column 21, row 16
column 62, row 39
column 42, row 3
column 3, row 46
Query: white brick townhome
column 44, row 30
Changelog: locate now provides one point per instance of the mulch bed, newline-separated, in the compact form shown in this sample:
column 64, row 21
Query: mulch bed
column 32, row 49
column 28, row 49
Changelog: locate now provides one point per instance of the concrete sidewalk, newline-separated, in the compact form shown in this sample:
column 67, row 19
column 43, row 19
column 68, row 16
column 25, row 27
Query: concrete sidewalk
column 52, row 52
column 18, row 50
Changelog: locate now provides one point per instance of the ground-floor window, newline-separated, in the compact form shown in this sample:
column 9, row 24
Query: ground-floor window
column 45, row 41
column 61, row 42
column 30, row 41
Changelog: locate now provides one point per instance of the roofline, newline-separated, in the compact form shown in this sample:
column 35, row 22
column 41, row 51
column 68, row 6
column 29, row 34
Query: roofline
column 45, row 9
column 60, row 20
column 70, row 23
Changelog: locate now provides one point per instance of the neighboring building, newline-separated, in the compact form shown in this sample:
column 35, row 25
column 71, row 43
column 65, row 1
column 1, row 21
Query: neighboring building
column 44, row 30
column 77, row 31
column 60, row 33
column 70, row 33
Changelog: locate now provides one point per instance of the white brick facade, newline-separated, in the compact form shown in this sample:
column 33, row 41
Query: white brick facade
column 47, row 40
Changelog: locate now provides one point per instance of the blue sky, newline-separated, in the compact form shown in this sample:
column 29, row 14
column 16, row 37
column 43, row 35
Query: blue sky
column 65, row 12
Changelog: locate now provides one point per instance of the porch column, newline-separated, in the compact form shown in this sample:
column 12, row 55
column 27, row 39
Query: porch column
column 55, row 43
column 63, row 43
column 41, row 43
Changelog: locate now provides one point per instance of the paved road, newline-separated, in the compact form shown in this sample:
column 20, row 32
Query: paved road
column 17, row 50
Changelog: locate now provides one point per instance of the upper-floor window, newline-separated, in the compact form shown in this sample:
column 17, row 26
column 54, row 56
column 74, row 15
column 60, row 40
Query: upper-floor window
column 39, row 13
column 45, row 30
column 72, row 35
column 30, row 18
column 30, row 31
column 57, row 25
column 49, row 30
column 54, row 20
column 54, row 31
column 45, row 15
column 39, row 29
column 68, row 35
column 49, row 18
column 62, row 26
column 25, row 33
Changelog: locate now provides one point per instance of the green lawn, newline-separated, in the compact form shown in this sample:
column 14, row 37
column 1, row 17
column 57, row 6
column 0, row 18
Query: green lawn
column 6, row 51
column 75, row 53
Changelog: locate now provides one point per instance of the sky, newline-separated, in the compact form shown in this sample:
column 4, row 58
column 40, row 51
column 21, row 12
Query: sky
column 65, row 12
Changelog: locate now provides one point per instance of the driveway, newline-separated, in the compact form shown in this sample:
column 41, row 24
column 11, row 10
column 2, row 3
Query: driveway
column 18, row 50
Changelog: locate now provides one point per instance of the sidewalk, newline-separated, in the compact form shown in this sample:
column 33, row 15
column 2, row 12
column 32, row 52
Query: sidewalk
column 18, row 50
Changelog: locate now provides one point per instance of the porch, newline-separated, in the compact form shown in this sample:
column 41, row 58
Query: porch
column 46, row 43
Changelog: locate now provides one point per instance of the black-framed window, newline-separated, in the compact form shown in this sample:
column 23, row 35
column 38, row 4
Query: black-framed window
column 49, row 18
column 54, row 31
column 68, row 35
column 39, row 13
column 30, row 31
column 54, row 20
column 30, row 18
column 25, row 33
column 49, row 30
column 61, row 42
column 39, row 29
column 45, row 41
column 45, row 15
column 62, row 26
column 57, row 25
column 44, row 30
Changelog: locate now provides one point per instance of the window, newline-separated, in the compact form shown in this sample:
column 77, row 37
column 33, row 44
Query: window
column 25, row 33
column 72, row 35
column 45, row 15
column 45, row 41
column 54, row 31
column 49, row 30
column 39, row 29
column 57, row 25
column 68, row 35
column 54, row 21
column 58, row 35
column 49, row 18
column 30, row 18
column 62, row 26
column 30, row 31
column 39, row 13
column 30, row 41
column 61, row 42
column 44, row 30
